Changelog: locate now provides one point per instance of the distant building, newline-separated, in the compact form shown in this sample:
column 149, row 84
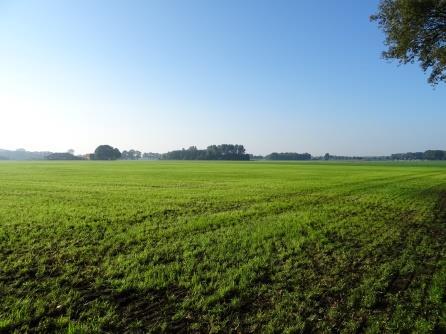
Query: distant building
column 89, row 156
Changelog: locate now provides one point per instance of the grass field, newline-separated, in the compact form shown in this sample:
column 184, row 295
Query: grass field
column 221, row 246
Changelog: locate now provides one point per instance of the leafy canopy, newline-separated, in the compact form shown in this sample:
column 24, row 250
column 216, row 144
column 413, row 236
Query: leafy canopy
column 106, row 152
column 415, row 32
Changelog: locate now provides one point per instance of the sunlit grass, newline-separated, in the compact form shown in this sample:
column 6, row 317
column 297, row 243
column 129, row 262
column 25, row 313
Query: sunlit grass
column 221, row 246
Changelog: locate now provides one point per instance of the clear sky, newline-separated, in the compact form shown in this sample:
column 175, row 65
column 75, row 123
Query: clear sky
column 302, row 76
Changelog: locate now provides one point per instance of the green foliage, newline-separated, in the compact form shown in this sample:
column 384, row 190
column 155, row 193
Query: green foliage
column 212, row 152
column 288, row 156
column 62, row 156
column 162, row 246
column 22, row 154
column 427, row 155
column 106, row 152
column 415, row 31
column 131, row 155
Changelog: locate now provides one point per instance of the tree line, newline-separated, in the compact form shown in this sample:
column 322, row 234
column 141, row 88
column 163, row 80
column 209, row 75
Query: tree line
column 288, row 156
column 427, row 155
column 213, row 152
column 329, row 156
column 138, row 155
column 107, row 152
column 22, row 154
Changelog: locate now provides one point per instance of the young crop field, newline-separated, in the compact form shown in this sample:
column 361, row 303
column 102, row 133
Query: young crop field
column 89, row 247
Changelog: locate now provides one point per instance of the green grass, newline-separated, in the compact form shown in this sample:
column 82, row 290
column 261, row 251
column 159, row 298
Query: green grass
column 222, row 246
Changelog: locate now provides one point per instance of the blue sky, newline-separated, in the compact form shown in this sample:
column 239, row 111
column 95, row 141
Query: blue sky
column 302, row 76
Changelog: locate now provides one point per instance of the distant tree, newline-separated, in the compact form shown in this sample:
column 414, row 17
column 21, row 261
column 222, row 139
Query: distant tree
column 415, row 32
column 62, row 156
column 256, row 157
column 151, row 156
column 70, row 151
column 427, row 155
column 212, row 152
column 327, row 156
column 131, row 155
column 106, row 152
column 435, row 155
column 22, row 154
column 288, row 156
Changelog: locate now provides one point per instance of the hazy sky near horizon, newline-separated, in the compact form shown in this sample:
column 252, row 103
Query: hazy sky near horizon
column 302, row 76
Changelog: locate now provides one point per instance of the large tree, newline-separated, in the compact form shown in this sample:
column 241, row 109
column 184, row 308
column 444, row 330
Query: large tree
column 106, row 152
column 415, row 32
